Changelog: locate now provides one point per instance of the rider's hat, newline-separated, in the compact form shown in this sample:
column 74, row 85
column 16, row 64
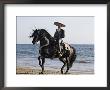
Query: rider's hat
column 59, row 24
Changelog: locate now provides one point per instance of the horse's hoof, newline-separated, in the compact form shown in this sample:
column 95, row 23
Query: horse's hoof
column 61, row 72
column 66, row 73
column 41, row 73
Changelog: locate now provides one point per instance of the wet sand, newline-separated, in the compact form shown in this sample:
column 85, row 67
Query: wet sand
column 36, row 71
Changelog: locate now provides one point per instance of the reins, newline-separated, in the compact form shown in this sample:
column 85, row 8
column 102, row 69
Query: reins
column 45, row 44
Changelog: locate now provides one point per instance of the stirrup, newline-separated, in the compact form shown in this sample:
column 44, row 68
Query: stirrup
column 60, row 54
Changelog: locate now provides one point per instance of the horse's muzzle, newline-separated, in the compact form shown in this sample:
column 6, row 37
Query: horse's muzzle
column 33, row 42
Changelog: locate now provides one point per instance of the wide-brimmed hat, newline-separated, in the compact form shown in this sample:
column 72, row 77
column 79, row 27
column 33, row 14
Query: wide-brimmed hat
column 59, row 24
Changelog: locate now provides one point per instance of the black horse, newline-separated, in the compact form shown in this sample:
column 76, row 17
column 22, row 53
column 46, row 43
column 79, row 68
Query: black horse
column 48, row 49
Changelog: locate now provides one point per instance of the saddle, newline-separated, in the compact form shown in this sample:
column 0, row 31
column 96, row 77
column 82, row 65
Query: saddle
column 54, row 49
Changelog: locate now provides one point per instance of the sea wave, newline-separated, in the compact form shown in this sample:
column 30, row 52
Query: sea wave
column 85, row 53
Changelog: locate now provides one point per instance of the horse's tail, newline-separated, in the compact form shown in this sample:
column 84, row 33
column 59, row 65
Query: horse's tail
column 72, row 57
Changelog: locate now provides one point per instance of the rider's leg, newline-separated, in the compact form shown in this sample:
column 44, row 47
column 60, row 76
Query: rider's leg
column 59, row 48
column 60, row 45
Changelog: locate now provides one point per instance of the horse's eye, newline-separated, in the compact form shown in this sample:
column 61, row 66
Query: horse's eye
column 38, row 32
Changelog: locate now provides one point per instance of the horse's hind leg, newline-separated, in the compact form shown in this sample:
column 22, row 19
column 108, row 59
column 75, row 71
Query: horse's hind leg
column 63, row 65
column 63, row 68
column 67, row 65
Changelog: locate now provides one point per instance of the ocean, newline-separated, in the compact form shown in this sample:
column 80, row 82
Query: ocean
column 27, row 54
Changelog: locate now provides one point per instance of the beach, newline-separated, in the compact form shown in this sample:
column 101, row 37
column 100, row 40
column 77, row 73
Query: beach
column 76, row 70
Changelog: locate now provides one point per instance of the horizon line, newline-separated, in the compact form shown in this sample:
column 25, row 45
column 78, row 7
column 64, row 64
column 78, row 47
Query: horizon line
column 68, row 43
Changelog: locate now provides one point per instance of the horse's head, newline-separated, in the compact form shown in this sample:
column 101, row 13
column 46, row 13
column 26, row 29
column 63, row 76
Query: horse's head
column 36, row 35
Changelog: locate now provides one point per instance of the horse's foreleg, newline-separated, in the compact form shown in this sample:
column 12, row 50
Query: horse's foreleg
column 39, row 61
column 42, row 66
column 43, row 61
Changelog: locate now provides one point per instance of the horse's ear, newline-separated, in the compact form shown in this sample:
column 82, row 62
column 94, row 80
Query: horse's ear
column 33, row 30
column 34, row 26
column 29, row 36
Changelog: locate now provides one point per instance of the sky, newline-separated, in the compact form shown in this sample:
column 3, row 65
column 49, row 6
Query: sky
column 78, row 30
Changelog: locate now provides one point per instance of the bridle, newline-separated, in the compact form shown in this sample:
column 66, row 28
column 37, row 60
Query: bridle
column 46, row 40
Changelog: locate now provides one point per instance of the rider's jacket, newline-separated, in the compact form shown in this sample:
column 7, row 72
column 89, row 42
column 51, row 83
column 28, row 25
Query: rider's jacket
column 59, row 34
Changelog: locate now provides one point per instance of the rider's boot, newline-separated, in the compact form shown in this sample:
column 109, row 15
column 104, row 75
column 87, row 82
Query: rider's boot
column 59, row 53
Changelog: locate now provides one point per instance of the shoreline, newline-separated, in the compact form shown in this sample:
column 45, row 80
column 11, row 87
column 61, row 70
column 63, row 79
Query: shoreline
column 49, row 71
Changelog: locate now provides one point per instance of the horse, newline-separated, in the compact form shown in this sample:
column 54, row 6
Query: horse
column 48, row 49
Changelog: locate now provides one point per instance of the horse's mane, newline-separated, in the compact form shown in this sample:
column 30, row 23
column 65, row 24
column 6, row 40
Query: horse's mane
column 46, row 33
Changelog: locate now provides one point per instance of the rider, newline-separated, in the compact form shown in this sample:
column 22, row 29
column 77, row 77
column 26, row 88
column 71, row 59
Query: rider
column 59, row 34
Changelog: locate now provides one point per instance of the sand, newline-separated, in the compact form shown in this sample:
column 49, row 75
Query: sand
column 36, row 71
